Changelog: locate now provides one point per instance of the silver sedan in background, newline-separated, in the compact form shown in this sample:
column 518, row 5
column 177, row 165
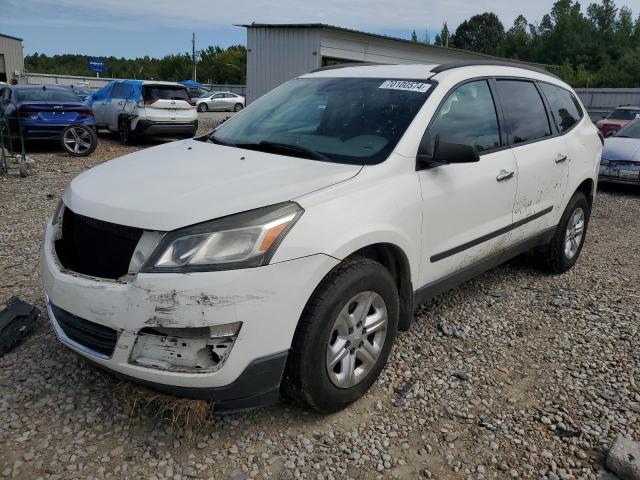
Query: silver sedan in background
column 220, row 101
column 621, row 156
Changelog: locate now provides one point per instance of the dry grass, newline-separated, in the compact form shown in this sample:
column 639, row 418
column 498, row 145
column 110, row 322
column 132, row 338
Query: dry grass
column 187, row 414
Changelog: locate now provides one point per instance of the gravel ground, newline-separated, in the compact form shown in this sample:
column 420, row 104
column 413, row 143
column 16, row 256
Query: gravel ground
column 516, row 374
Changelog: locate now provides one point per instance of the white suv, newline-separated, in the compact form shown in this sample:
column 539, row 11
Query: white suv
column 143, row 107
column 283, row 252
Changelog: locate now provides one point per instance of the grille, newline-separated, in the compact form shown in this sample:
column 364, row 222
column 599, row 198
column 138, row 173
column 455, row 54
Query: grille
column 96, row 337
column 96, row 248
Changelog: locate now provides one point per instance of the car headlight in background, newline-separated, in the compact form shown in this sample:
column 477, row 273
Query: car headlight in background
column 244, row 240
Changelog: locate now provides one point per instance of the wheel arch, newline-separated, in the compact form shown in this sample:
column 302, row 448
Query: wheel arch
column 396, row 261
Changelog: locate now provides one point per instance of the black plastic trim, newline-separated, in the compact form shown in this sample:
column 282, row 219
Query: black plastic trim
column 465, row 246
column 433, row 289
column 257, row 386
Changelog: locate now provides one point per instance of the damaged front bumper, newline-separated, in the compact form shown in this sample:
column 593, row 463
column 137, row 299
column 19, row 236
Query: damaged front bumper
column 218, row 335
column 619, row 172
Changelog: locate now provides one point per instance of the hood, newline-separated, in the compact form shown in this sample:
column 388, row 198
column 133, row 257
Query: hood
column 620, row 148
column 607, row 121
column 187, row 182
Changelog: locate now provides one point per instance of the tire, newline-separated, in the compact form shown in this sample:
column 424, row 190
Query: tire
column 124, row 131
column 238, row 107
column 79, row 140
column 308, row 379
column 202, row 107
column 555, row 257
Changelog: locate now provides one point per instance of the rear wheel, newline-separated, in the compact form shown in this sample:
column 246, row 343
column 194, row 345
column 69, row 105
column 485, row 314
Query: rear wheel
column 124, row 131
column 202, row 107
column 238, row 107
column 344, row 336
column 562, row 252
column 79, row 140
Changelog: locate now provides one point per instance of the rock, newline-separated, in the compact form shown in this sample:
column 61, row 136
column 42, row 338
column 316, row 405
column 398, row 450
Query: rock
column 624, row 458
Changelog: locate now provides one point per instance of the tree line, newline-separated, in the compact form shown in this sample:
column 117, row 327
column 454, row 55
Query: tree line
column 215, row 65
column 595, row 47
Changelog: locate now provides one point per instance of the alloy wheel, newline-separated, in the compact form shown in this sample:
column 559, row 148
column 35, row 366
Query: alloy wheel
column 77, row 140
column 574, row 233
column 356, row 340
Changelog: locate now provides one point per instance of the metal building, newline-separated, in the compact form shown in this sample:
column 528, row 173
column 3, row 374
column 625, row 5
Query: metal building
column 11, row 58
column 279, row 52
column 601, row 101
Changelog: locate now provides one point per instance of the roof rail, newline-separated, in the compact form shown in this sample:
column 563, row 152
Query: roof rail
column 345, row 65
column 476, row 63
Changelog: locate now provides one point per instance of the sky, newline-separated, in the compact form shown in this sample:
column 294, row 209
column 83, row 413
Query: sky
column 160, row 27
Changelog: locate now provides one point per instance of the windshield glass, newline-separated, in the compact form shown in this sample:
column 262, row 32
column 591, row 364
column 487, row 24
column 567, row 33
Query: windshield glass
column 624, row 114
column 344, row 120
column 630, row 130
column 46, row 95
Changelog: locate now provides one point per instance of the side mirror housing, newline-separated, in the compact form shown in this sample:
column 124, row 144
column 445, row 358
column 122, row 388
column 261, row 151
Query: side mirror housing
column 444, row 153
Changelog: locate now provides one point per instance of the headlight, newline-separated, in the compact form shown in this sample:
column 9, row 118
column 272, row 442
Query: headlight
column 243, row 240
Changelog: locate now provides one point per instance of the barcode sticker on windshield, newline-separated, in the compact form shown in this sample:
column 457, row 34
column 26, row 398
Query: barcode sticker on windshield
column 406, row 85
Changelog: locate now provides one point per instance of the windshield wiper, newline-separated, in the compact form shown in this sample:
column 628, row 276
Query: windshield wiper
column 212, row 138
column 285, row 147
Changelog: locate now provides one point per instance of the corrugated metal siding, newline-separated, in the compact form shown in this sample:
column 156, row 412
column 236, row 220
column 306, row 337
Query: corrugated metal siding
column 365, row 48
column 14, row 61
column 601, row 101
column 276, row 55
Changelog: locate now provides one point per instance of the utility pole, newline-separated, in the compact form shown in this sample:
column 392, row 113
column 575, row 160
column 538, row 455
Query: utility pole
column 193, row 55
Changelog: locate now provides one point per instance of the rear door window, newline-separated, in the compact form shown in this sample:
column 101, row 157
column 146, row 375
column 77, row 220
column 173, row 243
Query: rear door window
column 165, row 92
column 524, row 110
column 467, row 116
column 565, row 108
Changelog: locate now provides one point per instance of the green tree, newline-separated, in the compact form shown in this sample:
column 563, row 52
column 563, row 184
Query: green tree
column 443, row 38
column 482, row 33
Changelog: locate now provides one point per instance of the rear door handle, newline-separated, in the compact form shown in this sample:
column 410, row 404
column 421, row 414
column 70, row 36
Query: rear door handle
column 561, row 158
column 505, row 175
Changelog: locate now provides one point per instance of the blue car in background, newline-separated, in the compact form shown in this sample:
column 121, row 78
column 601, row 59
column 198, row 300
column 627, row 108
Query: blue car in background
column 44, row 112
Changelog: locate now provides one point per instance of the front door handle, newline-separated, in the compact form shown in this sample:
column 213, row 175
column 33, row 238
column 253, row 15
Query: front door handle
column 505, row 175
column 561, row 158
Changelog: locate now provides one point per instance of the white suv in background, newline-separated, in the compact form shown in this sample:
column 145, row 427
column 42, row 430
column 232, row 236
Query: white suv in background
column 283, row 252
column 143, row 107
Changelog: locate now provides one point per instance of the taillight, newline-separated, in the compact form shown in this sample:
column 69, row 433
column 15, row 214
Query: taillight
column 85, row 111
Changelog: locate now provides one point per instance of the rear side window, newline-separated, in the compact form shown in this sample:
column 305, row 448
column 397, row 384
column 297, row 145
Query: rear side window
column 524, row 110
column 564, row 106
column 467, row 116
column 165, row 92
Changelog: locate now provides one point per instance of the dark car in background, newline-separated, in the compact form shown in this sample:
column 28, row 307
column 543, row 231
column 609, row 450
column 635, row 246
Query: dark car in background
column 618, row 119
column 620, row 161
column 44, row 112
column 80, row 90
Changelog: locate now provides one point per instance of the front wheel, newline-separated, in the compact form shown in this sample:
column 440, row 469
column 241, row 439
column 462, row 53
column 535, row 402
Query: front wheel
column 344, row 336
column 202, row 107
column 238, row 107
column 562, row 252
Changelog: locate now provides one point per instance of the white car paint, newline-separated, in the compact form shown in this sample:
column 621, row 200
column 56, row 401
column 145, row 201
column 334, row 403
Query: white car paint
column 346, row 208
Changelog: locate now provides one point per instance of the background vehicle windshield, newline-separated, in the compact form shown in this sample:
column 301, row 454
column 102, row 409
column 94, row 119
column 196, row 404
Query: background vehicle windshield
column 630, row 130
column 165, row 92
column 46, row 95
column 624, row 114
column 344, row 120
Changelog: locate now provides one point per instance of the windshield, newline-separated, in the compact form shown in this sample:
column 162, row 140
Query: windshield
column 624, row 114
column 345, row 120
column 630, row 130
column 46, row 95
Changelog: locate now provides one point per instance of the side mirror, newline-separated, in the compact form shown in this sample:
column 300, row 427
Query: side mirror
column 445, row 152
